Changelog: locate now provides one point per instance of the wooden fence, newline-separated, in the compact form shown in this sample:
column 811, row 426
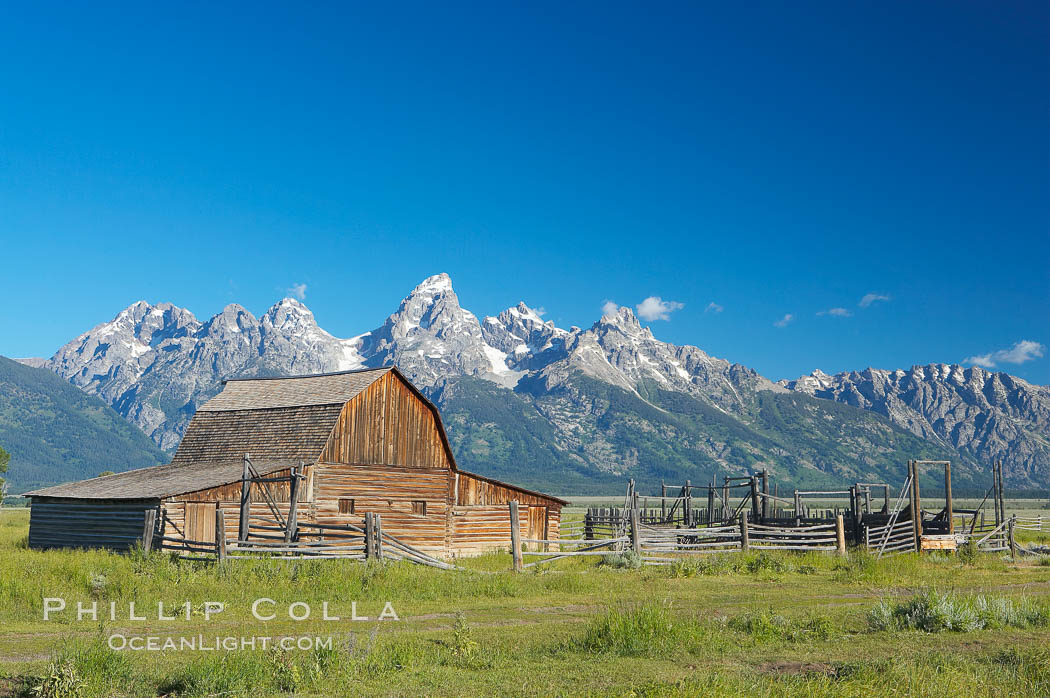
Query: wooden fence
column 899, row 537
column 309, row 542
column 890, row 539
column 661, row 545
column 1040, row 522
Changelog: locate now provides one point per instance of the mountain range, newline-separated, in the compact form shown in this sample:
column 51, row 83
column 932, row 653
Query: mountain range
column 580, row 410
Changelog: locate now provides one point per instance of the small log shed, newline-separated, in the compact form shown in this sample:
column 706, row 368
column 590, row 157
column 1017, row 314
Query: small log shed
column 353, row 442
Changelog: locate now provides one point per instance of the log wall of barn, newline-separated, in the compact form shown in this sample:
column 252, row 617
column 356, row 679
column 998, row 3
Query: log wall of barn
column 396, row 494
column 87, row 523
column 387, row 424
column 482, row 529
column 279, row 491
column 474, row 490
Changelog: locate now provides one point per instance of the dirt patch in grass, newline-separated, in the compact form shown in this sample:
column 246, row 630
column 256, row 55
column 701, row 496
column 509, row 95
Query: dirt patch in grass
column 781, row 668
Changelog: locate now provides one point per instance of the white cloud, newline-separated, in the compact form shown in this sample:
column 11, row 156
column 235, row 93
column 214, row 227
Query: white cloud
column 713, row 307
column 541, row 311
column 298, row 290
column 870, row 298
column 836, row 312
column 1025, row 350
column 655, row 308
column 984, row 361
column 609, row 308
column 784, row 321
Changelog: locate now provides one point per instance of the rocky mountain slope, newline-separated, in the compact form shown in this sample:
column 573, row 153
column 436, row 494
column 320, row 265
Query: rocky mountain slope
column 56, row 433
column 989, row 416
column 566, row 409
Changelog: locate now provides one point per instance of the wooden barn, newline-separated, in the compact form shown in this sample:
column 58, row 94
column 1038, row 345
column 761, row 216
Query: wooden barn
column 324, row 449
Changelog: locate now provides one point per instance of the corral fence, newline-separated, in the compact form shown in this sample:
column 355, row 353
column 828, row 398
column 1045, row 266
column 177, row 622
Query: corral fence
column 1039, row 522
column 308, row 542
column 894, row 538
column 661, row 545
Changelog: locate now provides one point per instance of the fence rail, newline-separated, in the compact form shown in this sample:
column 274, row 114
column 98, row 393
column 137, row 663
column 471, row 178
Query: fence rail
column 1039, row 522
column 578, row 548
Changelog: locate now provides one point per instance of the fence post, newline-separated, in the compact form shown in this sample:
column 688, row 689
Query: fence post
column 916, row 511
column 948, row 497
column 378, row 535
column 1013, row 542
column 370, row 536
column 149, row 523
column 246, row 495
column 293, row 504
column 220, row 534
column 635, row 545
column 515, row 536
column 755, row 514
column 840, row 535
column 765, row 490
column 688, row 504
column 744, row 544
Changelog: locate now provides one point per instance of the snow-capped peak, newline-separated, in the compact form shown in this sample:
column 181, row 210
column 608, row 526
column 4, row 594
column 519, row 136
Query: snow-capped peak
column 433, row 285
column 525, row 313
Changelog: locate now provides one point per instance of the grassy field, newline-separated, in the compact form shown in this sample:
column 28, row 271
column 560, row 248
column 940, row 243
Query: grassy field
column 727, row 625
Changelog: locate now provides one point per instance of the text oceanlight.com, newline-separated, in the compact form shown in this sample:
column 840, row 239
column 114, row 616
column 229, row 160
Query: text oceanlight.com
column 202, row 643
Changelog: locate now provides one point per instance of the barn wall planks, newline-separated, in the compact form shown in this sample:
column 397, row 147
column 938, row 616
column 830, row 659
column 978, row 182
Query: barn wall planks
column 279, row 491
column 447, row 529
column 474, row 490
column 389, row 491
column 387, row 425
column 482, row 529
column 95, row 523
column 181, row 519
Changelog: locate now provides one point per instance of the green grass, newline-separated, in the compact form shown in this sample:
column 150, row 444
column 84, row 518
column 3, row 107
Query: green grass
column 730, row 624
column 933, row 612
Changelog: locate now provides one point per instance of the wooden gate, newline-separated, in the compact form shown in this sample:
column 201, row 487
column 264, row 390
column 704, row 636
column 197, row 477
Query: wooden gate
column 200, row 521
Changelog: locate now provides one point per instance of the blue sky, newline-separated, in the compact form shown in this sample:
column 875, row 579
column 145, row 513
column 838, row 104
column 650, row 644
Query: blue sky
column 775, row 160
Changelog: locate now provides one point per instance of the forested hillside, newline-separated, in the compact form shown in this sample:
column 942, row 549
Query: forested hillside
column 56, row 432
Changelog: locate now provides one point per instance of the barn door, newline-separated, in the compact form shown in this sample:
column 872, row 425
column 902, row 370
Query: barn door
column 200, row 521
column 537, row 525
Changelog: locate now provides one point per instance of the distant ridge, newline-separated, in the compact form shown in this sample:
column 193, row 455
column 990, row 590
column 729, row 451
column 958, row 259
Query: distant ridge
column 56, row 433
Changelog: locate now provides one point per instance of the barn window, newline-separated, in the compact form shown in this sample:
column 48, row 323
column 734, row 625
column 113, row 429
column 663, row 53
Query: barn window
column 346, row 506
column 419, row 507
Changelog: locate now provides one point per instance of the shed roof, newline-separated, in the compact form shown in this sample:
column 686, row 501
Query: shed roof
column 160, row 481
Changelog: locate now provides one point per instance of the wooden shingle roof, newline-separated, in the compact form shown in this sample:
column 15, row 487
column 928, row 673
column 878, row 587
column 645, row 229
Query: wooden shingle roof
column 294, row 391
column 161, row 481
column 272, row 418
column 288, row 433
